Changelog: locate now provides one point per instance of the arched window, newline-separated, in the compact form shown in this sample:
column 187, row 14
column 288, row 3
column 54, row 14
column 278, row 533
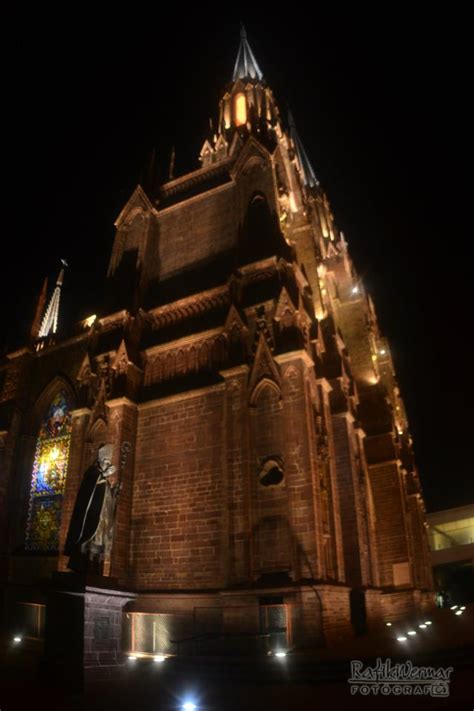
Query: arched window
column 240, row 110
column 49, row 477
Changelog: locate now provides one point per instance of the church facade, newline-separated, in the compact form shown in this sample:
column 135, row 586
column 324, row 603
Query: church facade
column 268, row 493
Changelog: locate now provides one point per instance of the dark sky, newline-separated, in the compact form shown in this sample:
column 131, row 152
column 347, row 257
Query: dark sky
column 380, row 99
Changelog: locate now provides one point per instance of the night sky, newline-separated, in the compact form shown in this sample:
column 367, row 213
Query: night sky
column 381, row 104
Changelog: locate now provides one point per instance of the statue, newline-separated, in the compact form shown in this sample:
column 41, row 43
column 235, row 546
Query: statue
column 90, row 535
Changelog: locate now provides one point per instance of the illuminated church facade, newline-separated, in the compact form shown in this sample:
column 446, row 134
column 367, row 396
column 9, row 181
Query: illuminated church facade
column 268, row 491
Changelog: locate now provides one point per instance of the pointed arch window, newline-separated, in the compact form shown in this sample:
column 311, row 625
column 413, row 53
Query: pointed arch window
column 49, row 476
column 240, row 110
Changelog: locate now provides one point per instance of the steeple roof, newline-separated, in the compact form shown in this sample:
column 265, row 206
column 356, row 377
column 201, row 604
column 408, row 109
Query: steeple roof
column 49, row 323
column 246, row 66
column 309, row 176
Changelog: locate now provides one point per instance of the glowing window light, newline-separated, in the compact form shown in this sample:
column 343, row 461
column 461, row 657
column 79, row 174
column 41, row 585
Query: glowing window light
column 54, row 454
column 48, row 478
column 422, row 627
column 402, row 639
column 411, row 633
column 88, row 322
column 240, row 110
column 428, row 622
column 227, row 113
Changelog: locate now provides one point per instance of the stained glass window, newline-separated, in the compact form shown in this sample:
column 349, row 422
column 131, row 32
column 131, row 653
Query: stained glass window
column 49, row 477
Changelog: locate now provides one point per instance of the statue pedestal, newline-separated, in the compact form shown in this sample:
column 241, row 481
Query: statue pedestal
column 84, row 628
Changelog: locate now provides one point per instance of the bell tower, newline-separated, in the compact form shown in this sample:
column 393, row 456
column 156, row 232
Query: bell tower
column 246, row 108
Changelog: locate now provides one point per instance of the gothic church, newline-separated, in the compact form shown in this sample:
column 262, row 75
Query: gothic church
column 268, row 496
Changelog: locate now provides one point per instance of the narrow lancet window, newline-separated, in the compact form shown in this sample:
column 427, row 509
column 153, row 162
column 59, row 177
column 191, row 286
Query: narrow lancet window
column 240, row 110
column 49, row 477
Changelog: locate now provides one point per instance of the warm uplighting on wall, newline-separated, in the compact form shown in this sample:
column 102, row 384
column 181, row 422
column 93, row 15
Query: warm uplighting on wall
column 240, row 110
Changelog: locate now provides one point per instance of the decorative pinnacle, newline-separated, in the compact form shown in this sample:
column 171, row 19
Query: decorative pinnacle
column 308, row 174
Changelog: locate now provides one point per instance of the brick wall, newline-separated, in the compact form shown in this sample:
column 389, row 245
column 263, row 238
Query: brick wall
column 389, row 518
column 348, row 503
column 178, row 500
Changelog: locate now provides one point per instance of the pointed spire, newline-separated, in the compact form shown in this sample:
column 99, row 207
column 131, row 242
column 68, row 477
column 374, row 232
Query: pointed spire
column 246, row 66
column 149, row 174
column 172, row 163
column 41, row 303
column 308, row 174
column 49, row 323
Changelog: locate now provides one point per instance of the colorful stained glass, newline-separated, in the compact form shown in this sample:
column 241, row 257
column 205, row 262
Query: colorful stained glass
column 49, row 477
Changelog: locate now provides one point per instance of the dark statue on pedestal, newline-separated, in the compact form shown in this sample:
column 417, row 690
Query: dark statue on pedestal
column 90, row 535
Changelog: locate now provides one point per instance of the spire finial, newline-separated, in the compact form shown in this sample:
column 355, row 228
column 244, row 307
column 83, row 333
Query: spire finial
column 246, row 66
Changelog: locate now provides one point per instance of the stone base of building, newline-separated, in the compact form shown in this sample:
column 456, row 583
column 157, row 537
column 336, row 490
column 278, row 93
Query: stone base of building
column 238, row 622
column 83, row 633
column 384, row 606
column 92, row 626
column 405, row 603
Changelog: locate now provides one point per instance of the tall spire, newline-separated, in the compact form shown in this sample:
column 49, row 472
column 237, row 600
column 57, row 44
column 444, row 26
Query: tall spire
column 308, row 174
column 36, row 325
column 49, row 323
column 246, row 66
